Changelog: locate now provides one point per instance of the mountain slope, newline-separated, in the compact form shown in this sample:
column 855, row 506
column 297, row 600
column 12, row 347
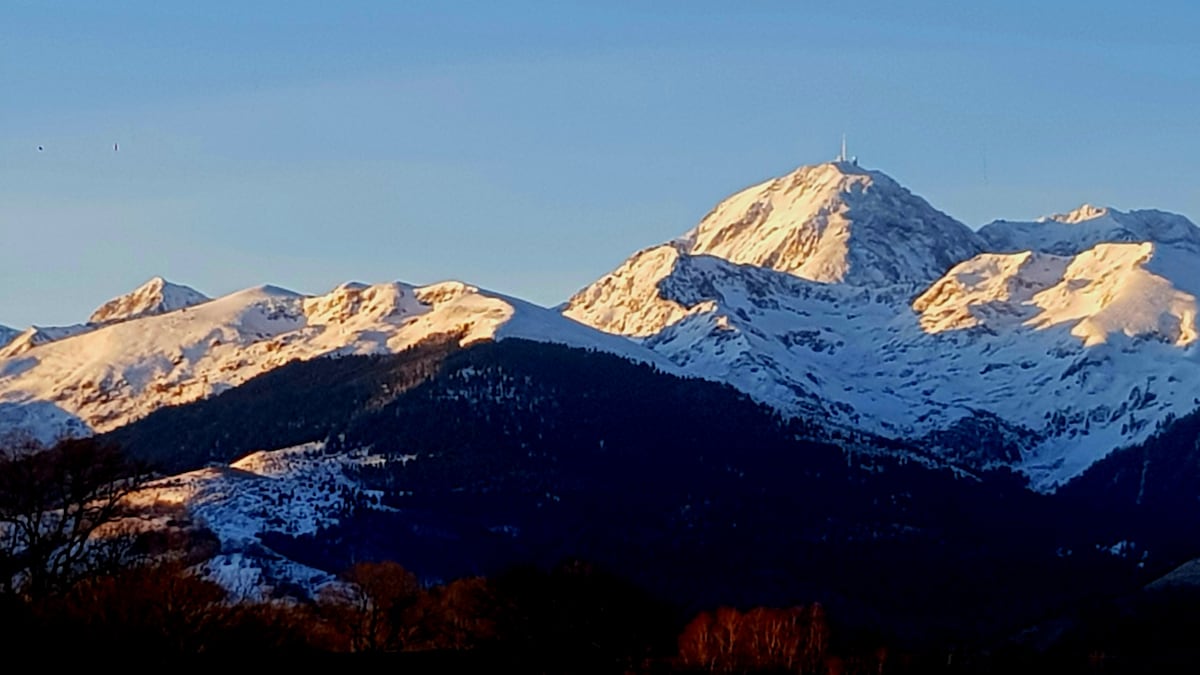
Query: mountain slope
column 7, row 334
column 523, row 452
column 1161, row 474
column 1102, row 291
column 39, row 335
column 121, row 371
column 298, row 403
column 835, row 222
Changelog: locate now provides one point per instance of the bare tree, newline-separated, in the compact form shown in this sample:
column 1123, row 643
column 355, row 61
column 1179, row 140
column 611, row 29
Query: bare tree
column 764, row 639
column 372, row 604
column 52, row 502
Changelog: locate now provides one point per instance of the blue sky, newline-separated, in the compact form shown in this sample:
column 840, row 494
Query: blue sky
column 530, row 147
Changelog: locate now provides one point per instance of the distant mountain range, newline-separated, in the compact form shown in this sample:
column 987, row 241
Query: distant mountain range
column 827, row 332
column 100, row 376
column 831, row 291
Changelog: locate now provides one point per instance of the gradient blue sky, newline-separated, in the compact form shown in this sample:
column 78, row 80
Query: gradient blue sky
column 530, row 147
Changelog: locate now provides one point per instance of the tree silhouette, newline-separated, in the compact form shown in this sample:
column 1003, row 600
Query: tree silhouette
column 53, row 504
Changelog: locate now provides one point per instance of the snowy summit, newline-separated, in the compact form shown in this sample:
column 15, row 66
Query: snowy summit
column 157, row 296
column 835, row 222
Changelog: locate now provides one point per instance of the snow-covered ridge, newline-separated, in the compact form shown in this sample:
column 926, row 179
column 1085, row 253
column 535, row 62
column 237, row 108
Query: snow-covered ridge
column 1108, row 289
column 156, row 296
column 991, row 289
column 39, row 335
column 107, row 377
column 835, row 222
column 1076, row 231
column 1103, row 291
column 628, row 301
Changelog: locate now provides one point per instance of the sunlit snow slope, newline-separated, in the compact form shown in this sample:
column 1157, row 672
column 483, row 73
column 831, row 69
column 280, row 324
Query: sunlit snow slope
column 835, row 222
column 39, row 335
column 108, row 376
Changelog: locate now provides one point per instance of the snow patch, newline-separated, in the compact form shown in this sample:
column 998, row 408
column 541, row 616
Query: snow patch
column 293, row 491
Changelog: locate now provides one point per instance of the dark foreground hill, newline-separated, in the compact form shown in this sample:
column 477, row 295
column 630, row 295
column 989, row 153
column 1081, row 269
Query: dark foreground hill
column 517, row 452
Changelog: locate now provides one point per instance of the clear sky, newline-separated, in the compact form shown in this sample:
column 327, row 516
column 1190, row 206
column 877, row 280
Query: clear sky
column 530, row 147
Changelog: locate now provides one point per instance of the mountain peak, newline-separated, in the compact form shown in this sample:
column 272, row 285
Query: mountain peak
column 156, row 296
column 835, row 222
column 1083, row 213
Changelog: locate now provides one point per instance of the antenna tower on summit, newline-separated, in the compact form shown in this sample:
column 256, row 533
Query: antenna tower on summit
column 843, row 158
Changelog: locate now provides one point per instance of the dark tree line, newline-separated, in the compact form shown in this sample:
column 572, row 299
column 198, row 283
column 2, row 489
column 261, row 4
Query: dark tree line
column 68, row 594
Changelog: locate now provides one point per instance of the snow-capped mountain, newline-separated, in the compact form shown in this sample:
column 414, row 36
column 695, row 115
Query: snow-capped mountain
column 832, row 291
column 7, row 334
column 1042, row 361
column 107, row 376
column 157, row 296
column 835, row 222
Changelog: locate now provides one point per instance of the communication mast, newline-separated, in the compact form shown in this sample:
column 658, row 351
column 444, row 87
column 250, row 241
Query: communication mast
column 844, row 157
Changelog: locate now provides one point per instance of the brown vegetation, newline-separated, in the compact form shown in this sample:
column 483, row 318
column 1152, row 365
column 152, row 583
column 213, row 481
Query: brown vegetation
column 762, row 640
